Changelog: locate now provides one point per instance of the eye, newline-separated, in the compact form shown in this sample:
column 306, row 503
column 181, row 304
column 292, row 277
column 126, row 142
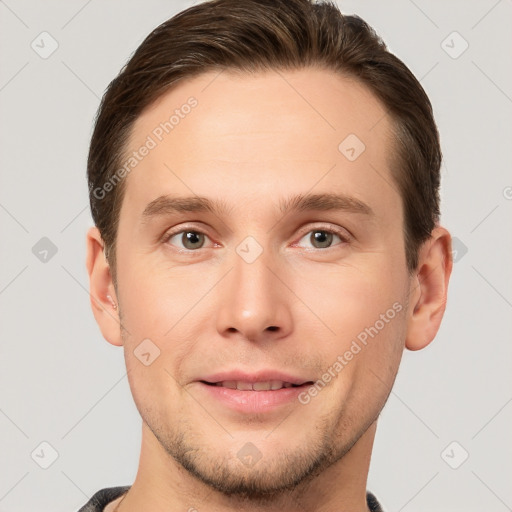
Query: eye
column 322, row 238
column 189, row 239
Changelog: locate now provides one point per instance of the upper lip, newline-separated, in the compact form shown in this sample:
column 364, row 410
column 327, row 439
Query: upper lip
column 259, row 376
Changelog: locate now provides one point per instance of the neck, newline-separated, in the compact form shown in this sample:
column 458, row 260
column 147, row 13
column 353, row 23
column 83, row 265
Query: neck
column 163, row 484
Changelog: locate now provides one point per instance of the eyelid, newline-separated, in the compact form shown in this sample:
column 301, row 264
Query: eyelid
column 343, row 233
column 180, row 229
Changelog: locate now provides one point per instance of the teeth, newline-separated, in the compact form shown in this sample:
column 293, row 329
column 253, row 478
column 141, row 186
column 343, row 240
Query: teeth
column 257, row 386
column 262, row 386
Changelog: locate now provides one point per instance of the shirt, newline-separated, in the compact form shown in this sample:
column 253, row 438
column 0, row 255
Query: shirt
column 103, row 497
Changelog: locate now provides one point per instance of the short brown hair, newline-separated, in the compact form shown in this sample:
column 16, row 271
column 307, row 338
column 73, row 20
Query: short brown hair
column 258, row 35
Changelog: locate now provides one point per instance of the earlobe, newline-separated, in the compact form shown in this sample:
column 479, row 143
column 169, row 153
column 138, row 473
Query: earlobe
column 429, row 288
column 101, row 289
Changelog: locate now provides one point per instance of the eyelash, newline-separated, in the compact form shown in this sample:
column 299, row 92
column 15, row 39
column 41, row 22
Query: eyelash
column 344, row 236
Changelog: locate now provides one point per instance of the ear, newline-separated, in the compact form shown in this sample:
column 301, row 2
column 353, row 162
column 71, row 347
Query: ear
column 104, row 303
column 428, row 289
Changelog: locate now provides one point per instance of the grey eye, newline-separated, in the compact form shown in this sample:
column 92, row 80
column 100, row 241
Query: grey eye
column 322, row 238
column 189, row 239
column 319, row 239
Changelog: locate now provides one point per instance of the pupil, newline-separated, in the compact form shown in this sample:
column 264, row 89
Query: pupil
column 322, row 237
column 190, row 238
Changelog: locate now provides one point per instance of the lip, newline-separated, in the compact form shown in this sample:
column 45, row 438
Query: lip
column 253, row 402
column 260, row 376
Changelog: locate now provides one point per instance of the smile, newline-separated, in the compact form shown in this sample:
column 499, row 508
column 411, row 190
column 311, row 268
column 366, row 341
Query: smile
column 271, row 385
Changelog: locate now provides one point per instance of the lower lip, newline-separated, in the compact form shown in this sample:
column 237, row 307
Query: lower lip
column 253, row 402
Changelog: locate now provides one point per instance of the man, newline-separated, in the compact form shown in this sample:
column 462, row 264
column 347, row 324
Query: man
column 264, row 180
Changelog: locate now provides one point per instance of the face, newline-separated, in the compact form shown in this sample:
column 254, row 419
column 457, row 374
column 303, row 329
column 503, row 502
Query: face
column 253, row 250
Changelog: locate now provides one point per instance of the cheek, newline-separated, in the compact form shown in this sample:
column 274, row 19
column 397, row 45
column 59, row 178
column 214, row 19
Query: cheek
column 345, row 300
column 158, row 333
column 152, row 371
column 154, row 299
column 360, row 325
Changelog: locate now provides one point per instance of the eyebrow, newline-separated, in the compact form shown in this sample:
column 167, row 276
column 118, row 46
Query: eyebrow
column 168, row 204
column 324, row 202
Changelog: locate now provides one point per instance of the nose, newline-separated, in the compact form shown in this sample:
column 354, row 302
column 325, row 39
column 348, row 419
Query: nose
column 254, row 303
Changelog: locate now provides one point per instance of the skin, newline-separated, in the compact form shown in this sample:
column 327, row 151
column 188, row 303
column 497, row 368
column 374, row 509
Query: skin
column 251, row 141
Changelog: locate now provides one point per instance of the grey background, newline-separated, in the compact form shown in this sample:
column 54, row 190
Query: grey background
column 61, row 383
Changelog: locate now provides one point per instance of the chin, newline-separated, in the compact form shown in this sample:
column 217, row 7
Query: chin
column 273, row 464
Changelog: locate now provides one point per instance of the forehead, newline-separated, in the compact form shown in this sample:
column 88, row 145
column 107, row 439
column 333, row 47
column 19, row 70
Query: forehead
column 268, row 131
column 330, row 101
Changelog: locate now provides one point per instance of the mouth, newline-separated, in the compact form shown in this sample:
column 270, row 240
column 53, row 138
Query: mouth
column 255, row 393
column 269, row 385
